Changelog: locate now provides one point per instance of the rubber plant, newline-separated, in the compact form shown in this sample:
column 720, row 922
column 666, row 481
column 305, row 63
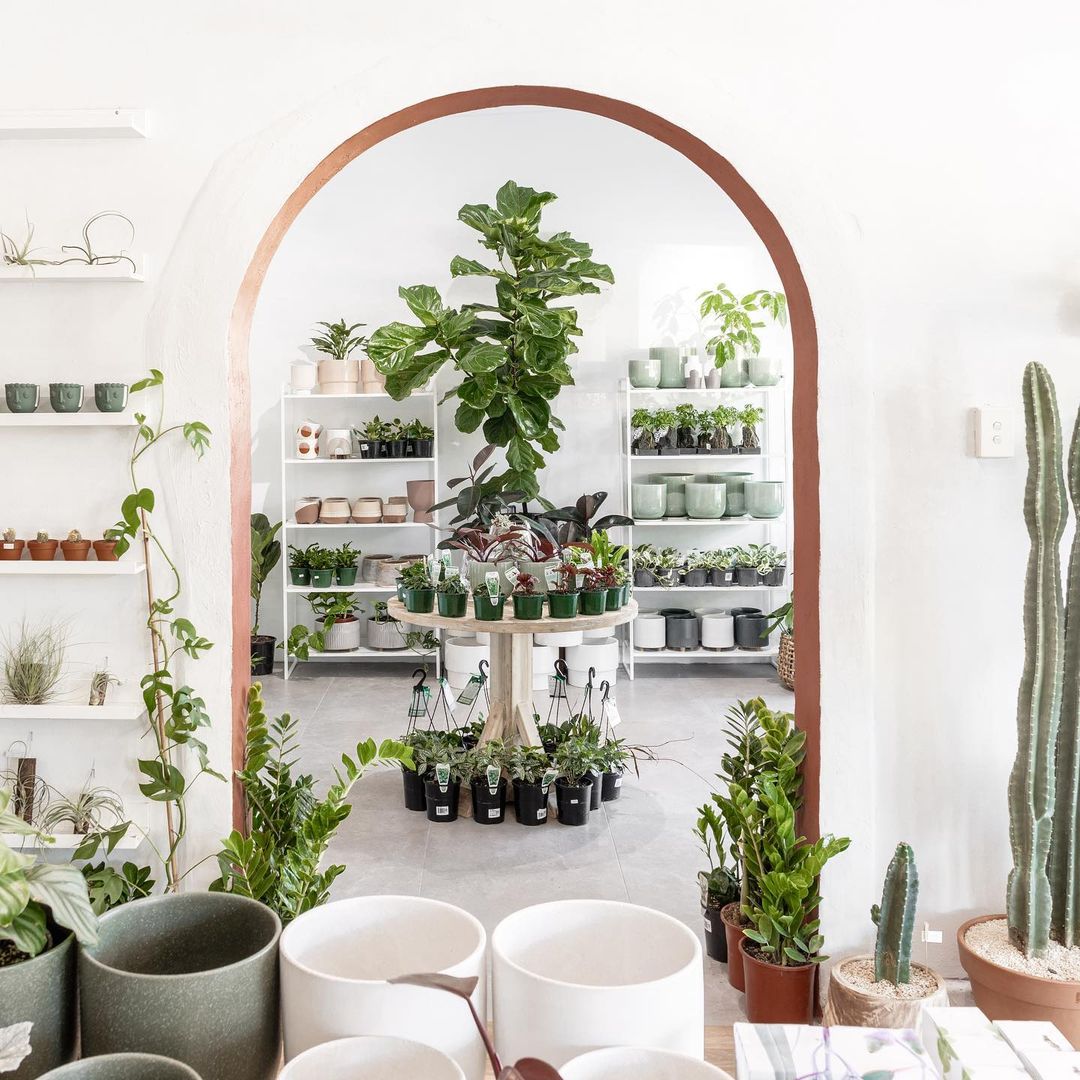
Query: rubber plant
column 176, row 714
column 512, row 353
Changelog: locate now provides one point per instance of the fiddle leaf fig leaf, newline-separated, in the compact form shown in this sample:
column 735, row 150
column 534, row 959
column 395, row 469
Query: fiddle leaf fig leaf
column 482, row 358
column 424, row 302
column 413, row 373
column 468, row 419
column 478, row 390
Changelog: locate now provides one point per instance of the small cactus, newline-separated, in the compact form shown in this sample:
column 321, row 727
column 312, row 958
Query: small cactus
column 895, row 918
column 74, row 536
column 42, row 536
column 9, row 536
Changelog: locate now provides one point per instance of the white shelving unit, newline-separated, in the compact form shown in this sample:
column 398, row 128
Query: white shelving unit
column 772, row 464
column 377, row 476
column 74, row 124
column 78, row 273
column 61, row 710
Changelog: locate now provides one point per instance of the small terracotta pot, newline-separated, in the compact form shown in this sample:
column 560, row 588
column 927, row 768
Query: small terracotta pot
column 43, row 550
column 733, row 931
column 1011, row 995
column 75, row 550
column 775, row 994
column 11, row 550
column 105, row 550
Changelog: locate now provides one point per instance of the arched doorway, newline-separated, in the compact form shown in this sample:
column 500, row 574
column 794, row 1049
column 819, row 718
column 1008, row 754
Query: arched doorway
column 804, row 339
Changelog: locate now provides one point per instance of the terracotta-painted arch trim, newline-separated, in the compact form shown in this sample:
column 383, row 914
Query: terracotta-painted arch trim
column 804, row 413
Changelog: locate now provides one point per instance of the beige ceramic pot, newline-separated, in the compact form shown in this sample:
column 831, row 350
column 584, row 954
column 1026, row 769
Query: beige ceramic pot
column 336, row 372
column 371, row 566
column 396, row 509
column 854, row 1006
column 343, row 635
column 367, row 511
column 389, row 569
column 334, row 512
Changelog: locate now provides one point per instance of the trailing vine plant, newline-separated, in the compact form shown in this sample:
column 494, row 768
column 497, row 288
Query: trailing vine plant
column 175, row 712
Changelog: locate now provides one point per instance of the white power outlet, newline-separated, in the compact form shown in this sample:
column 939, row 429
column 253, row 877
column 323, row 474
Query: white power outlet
column 993, row 431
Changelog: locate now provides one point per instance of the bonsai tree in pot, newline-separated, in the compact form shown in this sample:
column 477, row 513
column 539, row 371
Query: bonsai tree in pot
column 643, row 425
column 265, row 555
column 722, row 419
column 513, row 352
column 665, row 422
column 734, row 333
column 686, row 428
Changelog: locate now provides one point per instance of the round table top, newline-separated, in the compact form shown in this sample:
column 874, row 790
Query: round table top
column 509, row 625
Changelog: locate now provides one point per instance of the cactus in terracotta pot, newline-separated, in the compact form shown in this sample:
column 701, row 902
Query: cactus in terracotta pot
column 75, row 548
column 9, row 536
column 894, row 918
column 11, row 549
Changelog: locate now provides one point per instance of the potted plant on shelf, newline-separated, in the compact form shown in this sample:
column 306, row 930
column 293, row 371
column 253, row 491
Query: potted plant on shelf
column 421, row 439
column 643, row 427
column 528, row 602
column 489, row 600
column 105, row 548
column 721, row 419
column 697, row 568
column 338, row 373
column 592, row 600
column 771, row 565
column 669, row 561
column 418, row 590
column 75, row 548
column 11, row 549
column 667, row 436
column 340, row 627
column 783, row 618
column 644, row 566
column 322, row 564
column 370, row 437
column 396, row 439
column 686, row 428
column 451, row 594
column 750, row 416
column 719, row 884
column 42, row 548
column 300, row 565
column 575, row 761
column 383, row 630
column 265, row 555
column 745, row 565
column 886, row 990
column 486, row 552
column 734, row 337
column 721, row 567
column 531, row 774
column 483, row 769
column 563, row 594
column 33, row 663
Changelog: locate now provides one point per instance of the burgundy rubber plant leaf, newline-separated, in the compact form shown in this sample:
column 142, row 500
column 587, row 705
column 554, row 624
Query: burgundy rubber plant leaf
column 530, row 1069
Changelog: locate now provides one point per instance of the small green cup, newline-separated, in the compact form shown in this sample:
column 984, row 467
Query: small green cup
column 66, row 397
column 22, row 397
column 528, row 606
column 322, row 579
column 110, row 396
column 419, row 601
column 346, row 575
column 452, row 605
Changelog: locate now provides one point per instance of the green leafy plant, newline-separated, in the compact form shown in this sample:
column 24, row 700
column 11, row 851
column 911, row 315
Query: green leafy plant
column 375, row 430
column 338, row 339
column 265, row 555
column 417, row 429
column 643, row 422
column 513, row 355
column 494, row 754
column 417, row 575
column 328, row 608
column 575, row 757
column 721, row 420
column 750, row 417
column 720, row 883
column 109, row 887
column 528, row 764
column 345, row 556
column 736, row 327
column 300, row 558
column 279, row 861
column 452, row 584
column 575, row 524
column 525, row 585
column 33, row 663
column 479, row 497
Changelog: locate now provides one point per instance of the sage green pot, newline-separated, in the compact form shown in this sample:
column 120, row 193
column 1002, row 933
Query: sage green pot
column 648, row 501
column 671, row 366
column 22, row 397
column 563, row 605
column 764, row 498
column 593, row 601
column 734, row 495
column 735, row 372
column 110, row 396
column 764, row 370
column 66, row 397
column 192, row 976
column 645, row 373
column 705, row 499
column 676, row 491
column 124, row 1067
column 528, row 606
column 42, row 991
column 486, row 609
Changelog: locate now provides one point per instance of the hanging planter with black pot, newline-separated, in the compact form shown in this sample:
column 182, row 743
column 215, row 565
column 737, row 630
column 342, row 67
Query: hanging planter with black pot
column 489, row 803
column 191, row 976
column 751, row 631
column 415, row 798
column 746, row 576
column 644, row 579
column 262, row 654
column 442, row 798
column 596, row 792
column 530, row 802
column 696, row 578
column 721, row 578
column 573, row 801
column 611, row 786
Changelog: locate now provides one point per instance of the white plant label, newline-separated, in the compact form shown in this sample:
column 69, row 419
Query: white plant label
column 444, row 558
column 442, row 811
column 493, row 772
column 510, row 573
column 541, row 814
column 442, row 776
column 618, row 781
column 708, row 926
column 611, row 713
column 493, row 815
column 491, row 582
column 469, row 692
column 548, row 779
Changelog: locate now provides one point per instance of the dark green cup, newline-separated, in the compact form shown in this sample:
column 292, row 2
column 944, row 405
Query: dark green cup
column 66, row 397
column 22, row 397
column 110, row 396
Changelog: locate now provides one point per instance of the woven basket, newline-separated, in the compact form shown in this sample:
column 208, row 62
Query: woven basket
column 785, row 662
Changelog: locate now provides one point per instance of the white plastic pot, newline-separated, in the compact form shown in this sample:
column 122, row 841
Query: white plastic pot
column 335, row 960
column 601, row 634
column 343, row 635
column 543, row 660
column 638, row 1063
column 463, row 655
column 559, row 640
column 578, row 975
column 602, row 654
column 373, row 1058
column 718, row 632
column 303, row 376
column 650, row 630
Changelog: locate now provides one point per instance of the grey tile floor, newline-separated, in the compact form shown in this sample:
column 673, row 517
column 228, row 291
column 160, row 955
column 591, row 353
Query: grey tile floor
column 639, row 848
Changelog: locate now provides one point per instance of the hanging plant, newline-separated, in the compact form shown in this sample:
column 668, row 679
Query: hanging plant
column 513, row 354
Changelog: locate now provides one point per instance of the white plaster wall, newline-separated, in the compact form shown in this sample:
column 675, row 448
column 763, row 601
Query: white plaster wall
column 922, row 160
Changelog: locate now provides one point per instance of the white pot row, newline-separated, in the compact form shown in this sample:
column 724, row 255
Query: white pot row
column 568, row 978
column 717, row 630
column 462, row 658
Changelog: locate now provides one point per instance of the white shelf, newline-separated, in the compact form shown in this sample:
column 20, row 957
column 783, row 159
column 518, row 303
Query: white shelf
column 67, row 842
column 365, row 587
column 365, row 653
column 669, row 656
column 65, row 711
column 357, row 397
column 90, row 568
column 73, row 124
column 700, row 457
column 707, row 588
column 663, row 391
column 79, row 419
column 644, row 523
column 291, row 525
column 75, row 272
column 359, row 461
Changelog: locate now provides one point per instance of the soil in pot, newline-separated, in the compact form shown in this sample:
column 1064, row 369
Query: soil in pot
column 452, row 605
column 528, row 606
column 530, row 803
column 857, row 999
column 442, row 803
column 415, row 797
column 43, row 550
column 105, row 550
column 573, row 801
column 593, row 601
column 488, row 808
column 715, row 937
column 420, row 601
column 733, row 932
column 262, row 654
column 775, row 994
column 563, row 605
column 11, row 550
column 611, row 786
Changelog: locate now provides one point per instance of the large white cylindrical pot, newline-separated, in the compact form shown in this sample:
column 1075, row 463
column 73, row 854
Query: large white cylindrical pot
column 335, row 961
column 601, row 634
column 599, row 653
column 373, row 1058
column 650, row 630
column 465, row 654
column 577, row 975
column 559, row 640
column 639, row 1063
column 718, row 631
column 543, row 663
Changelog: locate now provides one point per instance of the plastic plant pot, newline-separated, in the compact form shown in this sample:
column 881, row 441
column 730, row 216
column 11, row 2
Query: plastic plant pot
column 775, row 577
column 413, row 783
column 715, row 936
column 614, row 599
column 572, row 801
column 489, row 808
column 611, row 785
column 644, row 579
column 721, row 578
column 110, row 397
column 66, row 397
column 373, row 1058
column 321, row 579
column 452, row 605
column 593, row 601
column 775, row 994
column 668, row 576
column 442, row 802
column 530, row 803
column 577, row 975
column 336, row 958
column 122, row 1067
column 596, row 792
column 420, row 601
column 563, row 605
column 299, row 575
column 262, row 654
column 486, row 609
column 22, row 397
column 695, row 579
column 746, row 575
column 638, row 1063
column 346, row 575
column 528, row 606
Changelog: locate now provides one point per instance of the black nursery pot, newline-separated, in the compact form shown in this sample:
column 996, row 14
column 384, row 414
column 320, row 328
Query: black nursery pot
column 365, row 448
column 695, row 579
column 488, row 809
column 668, row 576
column 774, row 577
column 611, row 787
column 720, row 577
column 415, row 799
column 573, row 801
column 530, row 803
column 596, row 792
column 442, row 803
column 378, row 447
column 423, row 448
column 644, row 579
column 746, row 575
column 750, row 631
column 396, row 448
column 715, row 937
column 262, row 654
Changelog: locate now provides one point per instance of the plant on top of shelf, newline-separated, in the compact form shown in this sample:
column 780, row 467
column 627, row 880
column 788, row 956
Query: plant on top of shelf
column 84, row 812
column 645, row 556
column 665, row 422
column 513, row 355
column 606, row 553
column 33, row 664
column 345, row 556
column 750, row 416
column 686, row 427
column 417, row 429
column 643, row 423
column 417, row 575
column 525, row 585
column 338, row 339
column 453, row 584
column 736, row 328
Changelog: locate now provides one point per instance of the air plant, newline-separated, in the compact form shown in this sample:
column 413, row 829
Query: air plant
column 86, row 254
column 33, row 663
column 18, row 254
column 83, row 812
column 100, row 682
column 525, row 1069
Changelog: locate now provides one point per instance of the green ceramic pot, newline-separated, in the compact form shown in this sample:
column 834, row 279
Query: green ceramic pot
column 528, row 606
column 22, row 397
column 192, row 976
column 110, row 396
column 764, row 370
column 735, row 373
column 676, row 491
column 452, row 605
column 645, row 373
column 671, row 366
column 321, row 579
column 764, row 498
column 486, row 609
column 42, row 991
column 346, row 575
column 593, row 601
column 419, row 601
column 734, row 497
column 66, row 397
column 614, row 598
column 125, row 1067
column 299, row 575
column 648, row 501
column 705, row 499
column 563, row 605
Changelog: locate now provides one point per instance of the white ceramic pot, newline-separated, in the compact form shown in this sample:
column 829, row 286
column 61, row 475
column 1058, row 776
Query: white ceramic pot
column 559, row 640
column 638, row 1063
column 303, row 376
column 483, row 638
column 577, row 975
column 650, row 630
column 338, row 442
column 598, row 635
column 343, row 635
column 543, row 660
column 336, row 372
column 335, row 960
column 463, row 656
column 599, row 653
column 373, row 1058
column 717, row 631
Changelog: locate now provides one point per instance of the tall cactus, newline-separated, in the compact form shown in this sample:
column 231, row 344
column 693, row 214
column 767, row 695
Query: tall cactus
column 1064, row 864
column 895, row 918
column 1031, row 783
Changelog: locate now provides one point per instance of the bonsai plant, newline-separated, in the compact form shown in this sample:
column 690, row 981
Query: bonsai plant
column 417, row 587
column 33, row 663
column 721, row 420
column 532, row 774
column 482, row 768
column 686, row 428
column 300, row 564
column 265, row 555
column 451, row 594
column 643, row 425
column 886, row 989
column 75, row 548
column 338, row 374
column 750, row 416
column 513, row 354
column 665, row 422
column 575, row 761
column 345, row 560
column 528, row 602
column 734, row 334
column 719, row 884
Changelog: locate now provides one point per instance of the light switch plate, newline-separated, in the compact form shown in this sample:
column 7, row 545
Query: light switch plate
column 993, row 431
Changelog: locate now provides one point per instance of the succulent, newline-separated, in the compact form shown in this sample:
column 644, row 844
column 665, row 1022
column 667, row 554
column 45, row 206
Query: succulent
column 42, row 536
column 74, row 536
column 9, row 536
column 894, row 918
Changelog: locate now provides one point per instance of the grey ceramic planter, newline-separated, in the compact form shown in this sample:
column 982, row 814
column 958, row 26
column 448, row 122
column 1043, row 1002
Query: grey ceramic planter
column 42, row 991
column 125, row 1067
column 683, row 631
column 750, row 631
column 192, row 977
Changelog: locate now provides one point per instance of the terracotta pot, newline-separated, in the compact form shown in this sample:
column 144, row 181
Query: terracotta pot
column 43, row 550
column 852, row 1006
column 75, row 550
column 733, row 931
column 1011, row 995
column 105, row 550
column 11, row 550
column 775, row 994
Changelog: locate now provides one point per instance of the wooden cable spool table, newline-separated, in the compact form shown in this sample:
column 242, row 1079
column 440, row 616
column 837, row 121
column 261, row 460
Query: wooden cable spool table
column 511, row 658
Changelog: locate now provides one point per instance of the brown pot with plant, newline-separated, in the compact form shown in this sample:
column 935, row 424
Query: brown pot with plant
column 75, row 548
column 41, row 548
column 10, row 549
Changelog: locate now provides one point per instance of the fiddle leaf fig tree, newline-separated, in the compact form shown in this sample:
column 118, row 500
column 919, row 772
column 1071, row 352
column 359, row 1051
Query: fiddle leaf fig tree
column 511, row 352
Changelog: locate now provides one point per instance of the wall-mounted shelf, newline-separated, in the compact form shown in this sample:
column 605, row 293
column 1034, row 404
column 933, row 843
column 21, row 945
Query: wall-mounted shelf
column 79, row 419
column 292, row 525
column 74, row 124
column 644, row 523
column 67, row 842
column 75, row 273
column 356, row 397
column 359, row 461
column 90, row 568
column 658, row 391
column 133, row 710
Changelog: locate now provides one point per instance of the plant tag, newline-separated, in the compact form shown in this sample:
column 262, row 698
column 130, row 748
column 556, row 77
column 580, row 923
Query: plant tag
column 551, row 576
column 574, row 802
column 618, row 781
column 493, row 814
column 442, row 776
column 452, row 572
column 510, row 573
column 444, row 558
column 493, row 772
column 469, row 691
column 547, row 779
column 541, row 814
column 491, row 583
column 611, row 713
column 442, row 811
column 708, row 926
column 432, row 564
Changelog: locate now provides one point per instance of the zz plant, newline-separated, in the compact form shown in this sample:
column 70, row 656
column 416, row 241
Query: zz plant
column 512, row 351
